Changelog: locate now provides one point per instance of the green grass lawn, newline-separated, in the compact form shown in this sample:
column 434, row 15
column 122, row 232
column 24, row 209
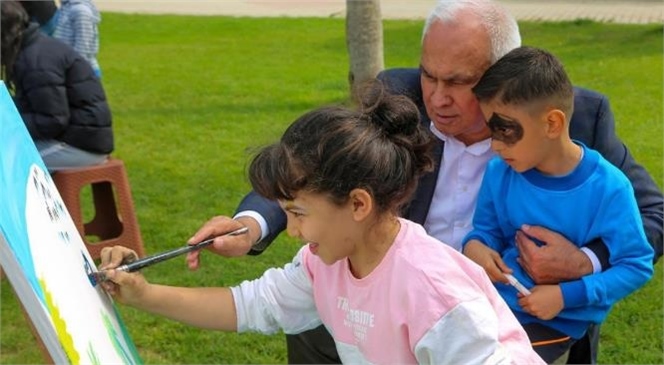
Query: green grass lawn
column 191, row 96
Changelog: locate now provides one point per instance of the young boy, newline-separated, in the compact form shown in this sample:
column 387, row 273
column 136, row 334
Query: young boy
column 542, row 177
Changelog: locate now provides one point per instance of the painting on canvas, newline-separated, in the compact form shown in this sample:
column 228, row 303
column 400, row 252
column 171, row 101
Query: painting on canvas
column 45, row 259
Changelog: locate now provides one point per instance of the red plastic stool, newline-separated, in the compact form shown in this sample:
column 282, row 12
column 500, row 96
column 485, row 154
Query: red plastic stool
column 114, row 221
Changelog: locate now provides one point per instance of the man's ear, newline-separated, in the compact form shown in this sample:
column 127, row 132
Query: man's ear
column 556, row 123
column 361, row 203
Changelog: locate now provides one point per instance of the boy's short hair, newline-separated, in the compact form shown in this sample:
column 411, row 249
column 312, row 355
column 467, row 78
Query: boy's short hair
column 525, row 76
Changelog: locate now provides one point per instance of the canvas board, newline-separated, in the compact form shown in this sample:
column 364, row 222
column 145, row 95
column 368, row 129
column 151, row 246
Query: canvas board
column 46, row 261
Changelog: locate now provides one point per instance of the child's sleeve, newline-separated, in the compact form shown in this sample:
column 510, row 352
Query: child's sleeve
column 468, row 334
column 619, row 225
column 282, row 298
column 84, row 26
column 486, row 225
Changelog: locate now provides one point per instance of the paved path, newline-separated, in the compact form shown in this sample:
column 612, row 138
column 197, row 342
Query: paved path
column 643, row 11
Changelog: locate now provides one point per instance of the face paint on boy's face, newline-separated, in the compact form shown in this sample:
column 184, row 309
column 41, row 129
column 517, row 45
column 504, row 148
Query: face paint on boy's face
column 504, row 130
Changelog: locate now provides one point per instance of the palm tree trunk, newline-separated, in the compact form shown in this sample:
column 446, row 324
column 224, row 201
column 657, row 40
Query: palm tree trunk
column 364, row 39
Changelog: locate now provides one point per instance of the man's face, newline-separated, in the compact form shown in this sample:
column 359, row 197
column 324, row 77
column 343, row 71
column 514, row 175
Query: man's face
column 454, row 57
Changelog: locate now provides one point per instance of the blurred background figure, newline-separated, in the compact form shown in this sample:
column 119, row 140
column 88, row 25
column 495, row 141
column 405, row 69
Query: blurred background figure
column 77, row 26
column 44, row 12
column 61, row 101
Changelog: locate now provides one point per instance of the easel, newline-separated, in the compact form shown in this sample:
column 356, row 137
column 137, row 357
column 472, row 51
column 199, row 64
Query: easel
column 45, row 354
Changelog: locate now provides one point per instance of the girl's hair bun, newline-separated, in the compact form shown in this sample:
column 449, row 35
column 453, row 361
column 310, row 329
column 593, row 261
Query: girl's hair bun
column 394, row 114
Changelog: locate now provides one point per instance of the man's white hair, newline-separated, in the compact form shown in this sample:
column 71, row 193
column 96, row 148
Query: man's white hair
column 501, row 26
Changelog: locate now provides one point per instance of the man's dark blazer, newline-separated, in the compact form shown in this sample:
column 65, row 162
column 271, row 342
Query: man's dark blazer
column 592, row 123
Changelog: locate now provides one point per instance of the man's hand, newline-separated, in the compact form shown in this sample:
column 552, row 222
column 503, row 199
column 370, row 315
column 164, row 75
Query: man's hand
column 557, row 260
column 489, row 259
column 228, row 246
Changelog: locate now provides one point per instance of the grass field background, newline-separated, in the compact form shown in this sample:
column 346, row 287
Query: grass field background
column 191, row 96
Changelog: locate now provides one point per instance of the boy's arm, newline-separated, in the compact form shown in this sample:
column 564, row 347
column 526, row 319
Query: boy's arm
column 593, row 124
column 488, row 259
column 631, row 256
column 485, row 243
column 486, row 225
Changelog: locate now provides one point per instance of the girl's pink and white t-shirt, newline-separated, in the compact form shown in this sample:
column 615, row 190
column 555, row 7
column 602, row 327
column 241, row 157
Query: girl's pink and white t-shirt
column 424, row 303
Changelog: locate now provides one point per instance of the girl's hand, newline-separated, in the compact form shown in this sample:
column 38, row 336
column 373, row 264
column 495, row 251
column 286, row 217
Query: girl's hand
column 127, row 288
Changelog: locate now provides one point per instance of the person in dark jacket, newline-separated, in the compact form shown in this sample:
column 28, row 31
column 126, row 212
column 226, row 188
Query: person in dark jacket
column 61, row 101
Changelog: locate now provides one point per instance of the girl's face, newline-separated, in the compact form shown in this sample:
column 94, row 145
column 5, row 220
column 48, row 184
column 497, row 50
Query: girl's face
column 327, row 227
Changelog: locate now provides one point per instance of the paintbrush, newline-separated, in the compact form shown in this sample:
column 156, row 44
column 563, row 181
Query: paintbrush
column 99, row 276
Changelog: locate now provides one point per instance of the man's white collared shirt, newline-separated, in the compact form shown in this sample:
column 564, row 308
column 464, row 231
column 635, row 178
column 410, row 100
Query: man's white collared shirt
column 452, row 207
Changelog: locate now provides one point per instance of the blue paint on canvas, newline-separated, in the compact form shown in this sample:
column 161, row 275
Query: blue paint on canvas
column 17, row 157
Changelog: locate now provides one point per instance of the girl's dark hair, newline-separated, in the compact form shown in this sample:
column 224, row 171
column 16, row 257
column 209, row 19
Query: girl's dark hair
column 14, row 20
column 381, row 148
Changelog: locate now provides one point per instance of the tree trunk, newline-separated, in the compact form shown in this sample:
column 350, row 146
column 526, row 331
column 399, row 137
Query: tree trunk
column 364, row 39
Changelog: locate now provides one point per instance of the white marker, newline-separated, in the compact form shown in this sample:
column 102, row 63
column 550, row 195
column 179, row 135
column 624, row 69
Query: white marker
column 515, row 283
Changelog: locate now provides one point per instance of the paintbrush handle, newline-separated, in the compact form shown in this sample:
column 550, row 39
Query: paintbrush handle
column 151, row 260
column 515, row 283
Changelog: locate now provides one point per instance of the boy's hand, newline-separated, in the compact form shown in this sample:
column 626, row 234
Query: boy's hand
column 489, row 259
column 127, row 288
column 544, row 302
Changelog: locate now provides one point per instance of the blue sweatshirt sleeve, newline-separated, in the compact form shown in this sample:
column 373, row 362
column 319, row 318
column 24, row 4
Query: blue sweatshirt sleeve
column 486, row 225
column 619, row 225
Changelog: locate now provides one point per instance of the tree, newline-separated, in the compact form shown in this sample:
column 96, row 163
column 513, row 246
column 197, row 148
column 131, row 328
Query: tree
column 364, row 40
